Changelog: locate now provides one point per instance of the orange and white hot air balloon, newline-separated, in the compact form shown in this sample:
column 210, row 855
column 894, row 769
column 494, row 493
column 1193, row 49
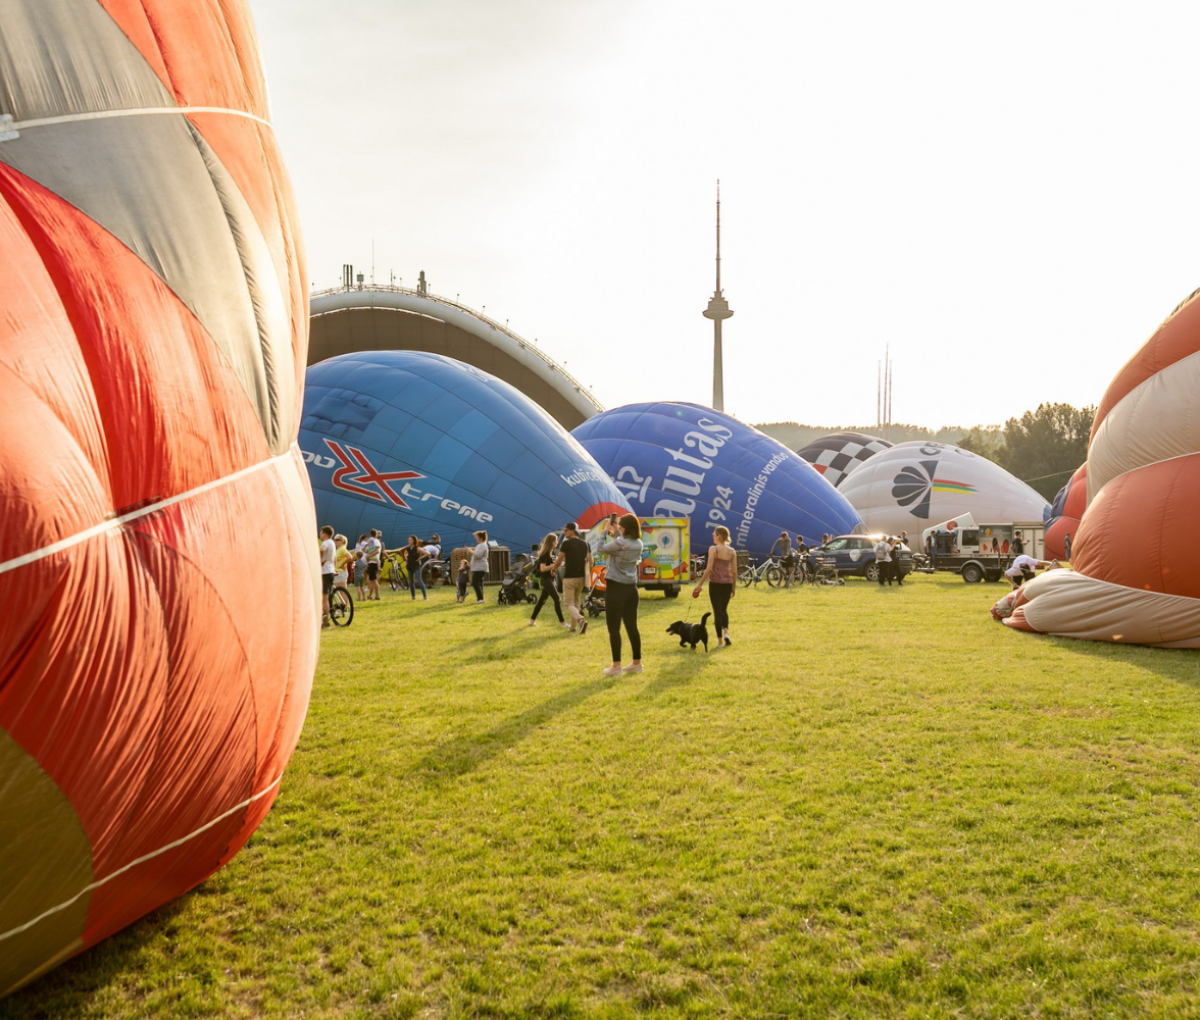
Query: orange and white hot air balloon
column 1137, row 552
column 153, row 327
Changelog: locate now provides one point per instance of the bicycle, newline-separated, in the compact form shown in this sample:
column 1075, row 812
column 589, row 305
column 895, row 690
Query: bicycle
column 768, row 570
column 796, row 574
column 435, row 572
column 341, row 607
column 397, row 575
column 826, row 572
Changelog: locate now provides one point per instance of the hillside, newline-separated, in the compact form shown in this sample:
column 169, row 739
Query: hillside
column 794, row 435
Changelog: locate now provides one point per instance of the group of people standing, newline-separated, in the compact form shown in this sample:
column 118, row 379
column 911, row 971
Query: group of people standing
column 887, row 557
column 338, row 562
column 622, row 545
column 571, row 561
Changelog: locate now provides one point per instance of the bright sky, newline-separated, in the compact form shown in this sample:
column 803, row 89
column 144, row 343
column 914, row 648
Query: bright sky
column 1005, row 195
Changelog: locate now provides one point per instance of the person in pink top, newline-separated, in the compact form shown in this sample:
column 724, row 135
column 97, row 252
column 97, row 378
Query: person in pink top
column 721, row 575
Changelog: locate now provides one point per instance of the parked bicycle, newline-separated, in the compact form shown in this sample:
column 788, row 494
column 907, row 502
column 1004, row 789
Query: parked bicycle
column 795, row 573
column 394, row 572
column 768, row 570
column 826, row 572
column 341, row 607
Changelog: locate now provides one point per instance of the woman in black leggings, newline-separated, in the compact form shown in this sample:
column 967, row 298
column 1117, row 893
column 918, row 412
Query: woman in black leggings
column 545, row 572
column 721, row 574
column 624, row 551
column 479, row 565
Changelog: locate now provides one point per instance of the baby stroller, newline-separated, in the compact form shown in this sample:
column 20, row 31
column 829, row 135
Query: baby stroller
column 513, row 587
column 593, row 604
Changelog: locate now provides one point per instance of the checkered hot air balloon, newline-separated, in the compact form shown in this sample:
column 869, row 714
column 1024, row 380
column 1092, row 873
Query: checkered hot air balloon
column 837, row 455
column 152, row 344
column 1136, row 555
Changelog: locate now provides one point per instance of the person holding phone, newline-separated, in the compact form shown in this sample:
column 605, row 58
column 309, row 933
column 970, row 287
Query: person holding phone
column 623, row 547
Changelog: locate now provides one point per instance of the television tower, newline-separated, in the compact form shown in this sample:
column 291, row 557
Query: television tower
column 718, row 310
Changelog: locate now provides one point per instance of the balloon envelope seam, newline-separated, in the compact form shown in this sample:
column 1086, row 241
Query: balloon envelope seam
column 117, row 522
column 142, row 860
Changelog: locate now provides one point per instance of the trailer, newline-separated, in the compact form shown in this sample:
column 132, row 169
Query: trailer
column 666, row 553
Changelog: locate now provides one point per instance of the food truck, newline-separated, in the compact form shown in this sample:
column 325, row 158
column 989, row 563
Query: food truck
column 981, row 551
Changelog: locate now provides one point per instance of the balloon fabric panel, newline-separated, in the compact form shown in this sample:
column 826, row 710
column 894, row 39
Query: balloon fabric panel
column 457, row 449
column 153, row 345
column 1140, row 531
column 1137, row 576
column 679, row 459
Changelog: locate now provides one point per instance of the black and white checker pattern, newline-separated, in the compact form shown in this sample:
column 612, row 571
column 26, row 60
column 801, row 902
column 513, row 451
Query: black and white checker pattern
column 835, row 462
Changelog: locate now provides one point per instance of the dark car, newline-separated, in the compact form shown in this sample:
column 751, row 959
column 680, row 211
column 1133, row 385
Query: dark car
column 854, row 556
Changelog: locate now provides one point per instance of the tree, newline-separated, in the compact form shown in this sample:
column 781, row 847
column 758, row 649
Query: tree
column 1043, row 447
column 984, row 440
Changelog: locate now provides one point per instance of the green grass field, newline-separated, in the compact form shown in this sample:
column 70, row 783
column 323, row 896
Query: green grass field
column 879, row 803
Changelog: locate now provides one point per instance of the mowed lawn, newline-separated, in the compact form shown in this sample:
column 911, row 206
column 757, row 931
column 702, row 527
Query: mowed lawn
column 877, row 803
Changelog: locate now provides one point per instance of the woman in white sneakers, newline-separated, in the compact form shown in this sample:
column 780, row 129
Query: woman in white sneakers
column 624, row 551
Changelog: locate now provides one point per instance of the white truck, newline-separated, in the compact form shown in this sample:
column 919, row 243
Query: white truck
column 980, row 551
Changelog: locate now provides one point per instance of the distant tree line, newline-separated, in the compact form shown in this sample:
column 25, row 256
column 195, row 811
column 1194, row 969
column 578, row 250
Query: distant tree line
column 1041, row 447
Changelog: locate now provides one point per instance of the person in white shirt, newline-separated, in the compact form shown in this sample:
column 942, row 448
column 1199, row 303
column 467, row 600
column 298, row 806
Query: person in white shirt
column 373, row 553
column 883, row 559
column 479, row 565
column 328, row 571
column 1023, row 568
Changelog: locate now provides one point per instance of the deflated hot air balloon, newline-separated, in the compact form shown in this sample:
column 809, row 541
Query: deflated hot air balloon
column 683, row 460
column 415, row 443
column 913, row 485
column 1136, row 554
column 1065, row 514
column 835, row 456
column 151, row 343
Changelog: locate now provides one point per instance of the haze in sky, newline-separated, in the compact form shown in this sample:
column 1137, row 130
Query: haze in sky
column 1003, row 195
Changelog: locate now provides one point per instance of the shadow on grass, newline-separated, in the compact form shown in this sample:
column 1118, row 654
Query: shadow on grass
column 1181, row 664
column 70, row 989
column 675, row 667
column 464, row 754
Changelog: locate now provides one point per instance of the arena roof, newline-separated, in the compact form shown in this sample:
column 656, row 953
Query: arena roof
column 387, row 318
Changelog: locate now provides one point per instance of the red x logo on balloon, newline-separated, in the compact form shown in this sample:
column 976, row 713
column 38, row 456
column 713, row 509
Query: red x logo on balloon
column 356, row 468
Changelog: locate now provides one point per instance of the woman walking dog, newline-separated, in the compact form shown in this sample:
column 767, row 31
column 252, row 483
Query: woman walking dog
column 624, row 551
column 720, row 573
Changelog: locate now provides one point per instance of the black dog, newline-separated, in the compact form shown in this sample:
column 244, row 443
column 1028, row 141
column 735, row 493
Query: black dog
column 691, row 633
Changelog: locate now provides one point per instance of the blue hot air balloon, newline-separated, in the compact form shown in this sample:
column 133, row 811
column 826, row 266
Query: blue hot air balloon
column 684, row 460
column 416, row 443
